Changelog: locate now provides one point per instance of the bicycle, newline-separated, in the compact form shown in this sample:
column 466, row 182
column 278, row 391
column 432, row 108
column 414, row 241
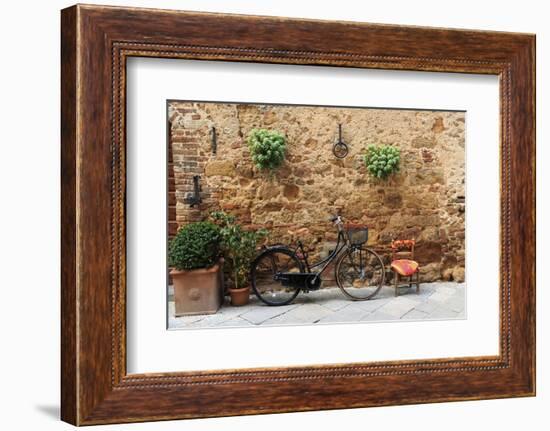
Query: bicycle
column 278, row 274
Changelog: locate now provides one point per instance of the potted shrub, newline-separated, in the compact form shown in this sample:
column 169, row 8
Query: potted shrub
column 239, row 250
column 194, row 256
column 267, row 148
column 382, row 160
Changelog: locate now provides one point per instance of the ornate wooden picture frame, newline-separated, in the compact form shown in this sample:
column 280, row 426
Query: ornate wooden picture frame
column 96, row 42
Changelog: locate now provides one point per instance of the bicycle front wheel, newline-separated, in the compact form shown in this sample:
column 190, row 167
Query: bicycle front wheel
column 360, row 273
column 265, row 269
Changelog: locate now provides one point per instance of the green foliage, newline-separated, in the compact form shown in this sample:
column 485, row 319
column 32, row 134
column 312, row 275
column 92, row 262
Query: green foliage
column 382, row 160
column 238, row 246
column 196, row 245
column 267, row 148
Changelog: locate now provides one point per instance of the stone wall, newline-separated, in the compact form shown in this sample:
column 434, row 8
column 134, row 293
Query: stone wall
column 424, row 201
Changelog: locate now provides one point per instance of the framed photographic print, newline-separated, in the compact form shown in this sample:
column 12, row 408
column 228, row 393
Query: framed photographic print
column 295, row 214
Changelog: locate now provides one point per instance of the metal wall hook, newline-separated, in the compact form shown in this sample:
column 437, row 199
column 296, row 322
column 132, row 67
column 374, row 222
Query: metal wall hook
column 194, row 198
column 214, row 140
column 340, row 149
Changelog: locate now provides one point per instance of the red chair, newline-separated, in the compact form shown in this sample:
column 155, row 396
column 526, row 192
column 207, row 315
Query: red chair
column 403, row 263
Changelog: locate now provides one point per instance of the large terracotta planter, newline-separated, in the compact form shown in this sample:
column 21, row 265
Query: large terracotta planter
column 198, row 291
column 240, row 296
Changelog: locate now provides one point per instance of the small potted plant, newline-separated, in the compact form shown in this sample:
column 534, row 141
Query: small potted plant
column 194, row 256
column 382, row 160
column 239, row 250
column 267, row 148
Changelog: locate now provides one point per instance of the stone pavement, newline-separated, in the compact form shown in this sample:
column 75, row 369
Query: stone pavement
column 436, row 301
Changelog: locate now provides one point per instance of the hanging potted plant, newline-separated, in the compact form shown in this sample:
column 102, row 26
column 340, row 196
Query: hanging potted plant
column 239, row 250
column 194, row 256
column 382, row 160
column 267, row 148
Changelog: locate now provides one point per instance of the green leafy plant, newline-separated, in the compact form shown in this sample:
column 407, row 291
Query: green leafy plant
column 382, row 160
column 267, row 148
column 196, row 245
column 238, row 246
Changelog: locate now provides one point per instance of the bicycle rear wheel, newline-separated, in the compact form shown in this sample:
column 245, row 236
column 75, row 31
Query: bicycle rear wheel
column 360, row 273
column 266, row 267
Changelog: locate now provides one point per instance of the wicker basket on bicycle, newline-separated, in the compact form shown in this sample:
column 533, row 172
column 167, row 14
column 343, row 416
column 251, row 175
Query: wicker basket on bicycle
column 358, row 234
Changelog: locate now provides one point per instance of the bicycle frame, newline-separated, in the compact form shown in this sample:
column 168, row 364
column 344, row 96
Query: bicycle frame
column 341, row 244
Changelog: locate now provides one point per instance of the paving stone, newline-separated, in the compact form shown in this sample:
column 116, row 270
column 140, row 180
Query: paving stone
column 369, row 305
column 427, row 306
column 335, row 304
column 332, row 298
column 443, row 313
column 378, row 316
column 415, row 314
column 261, row 313
column 210, row 321
column 445, row 290
column 232, row 311
column 286, row 319
column 440, row 296
column 307, row 313
column 237, row 322
column 304, row 298
column 398, row 307
column 326, row 293
column 347, row 314
column 455, row 303
column 425, row 293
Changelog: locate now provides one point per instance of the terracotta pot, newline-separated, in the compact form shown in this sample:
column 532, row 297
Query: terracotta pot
column 198, row 291
column 240, row 296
